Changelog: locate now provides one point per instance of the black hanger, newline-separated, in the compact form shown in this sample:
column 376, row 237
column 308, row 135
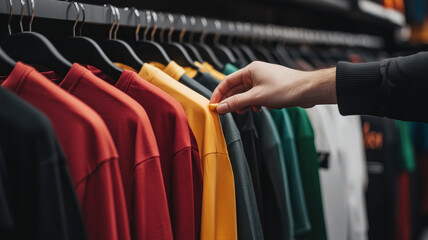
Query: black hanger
column 119, row 50
column 6, row 63
column 191, row 49
column 33, row 48
column 86, row 51
column 248, row 52
column 193, row 52
column 223, row 53
column 149, row 50
column 175, row 50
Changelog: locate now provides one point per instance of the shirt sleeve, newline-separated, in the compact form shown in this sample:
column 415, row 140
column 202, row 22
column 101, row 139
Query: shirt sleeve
column 395, row 88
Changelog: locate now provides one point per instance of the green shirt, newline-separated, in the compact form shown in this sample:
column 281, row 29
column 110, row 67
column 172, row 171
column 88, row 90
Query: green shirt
column 307, row 154
column 229, row 69
column 298, row 202
column 277, row 213
column 407, row 159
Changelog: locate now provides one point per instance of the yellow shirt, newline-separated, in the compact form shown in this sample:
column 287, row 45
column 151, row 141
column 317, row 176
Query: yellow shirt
column 218, row 201
column 211, row 70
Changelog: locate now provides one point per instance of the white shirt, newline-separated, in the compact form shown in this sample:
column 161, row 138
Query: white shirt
column 332, row 179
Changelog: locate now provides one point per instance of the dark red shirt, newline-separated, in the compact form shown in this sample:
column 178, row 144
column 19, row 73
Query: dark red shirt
column 178, row 152
column 89, row 148
column 139, row 161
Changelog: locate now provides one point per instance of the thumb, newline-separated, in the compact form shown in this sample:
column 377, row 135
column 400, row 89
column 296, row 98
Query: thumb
column 236, row 102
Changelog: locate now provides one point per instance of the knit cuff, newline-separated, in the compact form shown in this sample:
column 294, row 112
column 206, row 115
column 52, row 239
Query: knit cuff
column 358, row 88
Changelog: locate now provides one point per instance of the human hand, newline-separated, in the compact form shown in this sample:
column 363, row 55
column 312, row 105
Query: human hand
column 274, row 86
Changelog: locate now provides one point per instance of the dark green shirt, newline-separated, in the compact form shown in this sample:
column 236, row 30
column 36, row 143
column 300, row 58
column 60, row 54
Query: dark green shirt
column 309, row 165
column 407, row 159
column 298, row 202
column 229, row 69
column 277, row 211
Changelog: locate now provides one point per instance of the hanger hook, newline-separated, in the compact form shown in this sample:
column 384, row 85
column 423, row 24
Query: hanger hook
column 113, row 16
column 10, row 16
column 204, row 31
column 76, row 6
column 148, row 17
column 137, row 20
column 30, row 25
column 217, row 36
column 231, row 26
column 22, row 14
column 117, row 22
column 155, row 25
column 192, row 20
column 83, row 18
column 183, row 29
column 171, row 29
column 162, row 30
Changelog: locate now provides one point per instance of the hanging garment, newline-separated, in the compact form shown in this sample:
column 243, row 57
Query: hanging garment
column 380, row 138
column 277, row 211
column 407, row 166
column 305, row 144
column 178, row 150
column 211, row 70
column 352, row 155
column 284, row 128
column 229, row 69
column 91, row 155
column 37, row 198
column 7, row 228
column 281, row 120
column 247, row 215
column 332, row 176
column 136, row 144
column 218, row 198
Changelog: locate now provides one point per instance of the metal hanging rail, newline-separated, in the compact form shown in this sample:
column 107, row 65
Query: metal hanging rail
column 95, row 14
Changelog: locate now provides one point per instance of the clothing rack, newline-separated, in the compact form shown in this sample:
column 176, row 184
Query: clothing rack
column 95, row 14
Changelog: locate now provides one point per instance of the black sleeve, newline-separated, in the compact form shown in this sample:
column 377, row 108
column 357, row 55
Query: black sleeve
column 395, row 88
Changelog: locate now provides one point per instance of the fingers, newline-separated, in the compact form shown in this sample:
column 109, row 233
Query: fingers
column 238, row 102
column 230, row 85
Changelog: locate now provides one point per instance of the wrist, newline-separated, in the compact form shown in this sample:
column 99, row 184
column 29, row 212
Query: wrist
column 321, row 87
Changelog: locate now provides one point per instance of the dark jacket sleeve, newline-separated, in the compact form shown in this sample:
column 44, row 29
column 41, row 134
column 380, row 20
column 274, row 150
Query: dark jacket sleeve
column 395, row 88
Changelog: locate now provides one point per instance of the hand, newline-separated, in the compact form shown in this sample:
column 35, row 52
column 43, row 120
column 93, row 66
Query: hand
column 274, row 86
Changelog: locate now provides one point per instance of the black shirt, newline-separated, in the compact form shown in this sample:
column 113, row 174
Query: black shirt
column 38, row 187
column 248, row 219
column 381, row 144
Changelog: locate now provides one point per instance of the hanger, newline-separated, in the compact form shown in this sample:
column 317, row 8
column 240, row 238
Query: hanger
column 86, row 51
column 245, row 29
column 149, row 50
column 6, row 63
column 119, row 50
column 206, row 52
column 223, row 53
column 242, row 61
column 34, row 48
column 175, row 50
column 259, row 49
column 191, row 49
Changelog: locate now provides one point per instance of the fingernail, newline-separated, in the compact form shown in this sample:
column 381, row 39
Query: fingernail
column 213, row 106
column 222, row 108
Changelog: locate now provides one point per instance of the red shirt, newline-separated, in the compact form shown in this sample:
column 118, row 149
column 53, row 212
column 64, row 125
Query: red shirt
column 139, row 161
column 88, row 146
column 178, row 152
column 404, row 223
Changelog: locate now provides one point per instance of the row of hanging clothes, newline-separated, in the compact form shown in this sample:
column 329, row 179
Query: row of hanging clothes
column 114, row 139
